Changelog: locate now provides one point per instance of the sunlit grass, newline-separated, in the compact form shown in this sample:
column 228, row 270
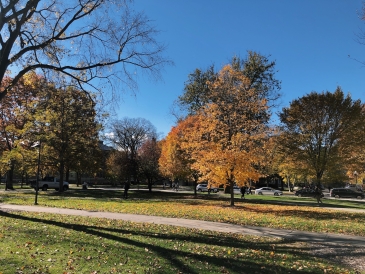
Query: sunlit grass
column 47, row 243
column 261, row 211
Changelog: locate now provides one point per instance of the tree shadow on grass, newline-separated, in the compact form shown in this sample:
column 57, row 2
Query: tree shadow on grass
column 190, row 199
column 231, row 264
column 159, row 194
column 166, row 195
column 311, row 202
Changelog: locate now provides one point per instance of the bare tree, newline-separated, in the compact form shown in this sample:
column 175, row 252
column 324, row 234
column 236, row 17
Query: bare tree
column 360, row 36
column 128, row 135
column 82, row 39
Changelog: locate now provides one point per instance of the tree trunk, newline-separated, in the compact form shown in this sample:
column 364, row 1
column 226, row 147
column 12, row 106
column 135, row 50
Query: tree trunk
column 149, row 180
column 62, row 166
column 9, row 178
column 195, row 184
column 231, row 191
column 78, row 180
column 319, row 177
column 67, row 174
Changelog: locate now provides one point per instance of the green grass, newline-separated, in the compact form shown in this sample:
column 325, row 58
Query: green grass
column 47, row 243
column 305, row 201
column 299, row 214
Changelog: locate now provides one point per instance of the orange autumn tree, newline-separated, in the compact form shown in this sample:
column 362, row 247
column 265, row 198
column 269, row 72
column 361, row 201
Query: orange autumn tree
column 175, row 162
column 229, row 133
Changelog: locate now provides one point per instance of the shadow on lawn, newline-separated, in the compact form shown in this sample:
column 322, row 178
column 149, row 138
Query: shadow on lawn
column 310, row 202
column 106, row 194
column 177, row 258
column 246, row 205
column 167, row 194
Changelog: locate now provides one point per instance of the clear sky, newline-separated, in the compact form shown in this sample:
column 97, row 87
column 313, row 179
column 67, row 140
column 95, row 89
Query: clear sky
column 311, row 42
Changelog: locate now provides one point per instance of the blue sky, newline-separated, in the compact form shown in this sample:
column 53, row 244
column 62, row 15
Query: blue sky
column 310, row 41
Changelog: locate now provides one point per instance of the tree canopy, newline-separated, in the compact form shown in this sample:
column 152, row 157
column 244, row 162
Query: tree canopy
column 148, row 155
column 84, row 40
column 257, row 68
column 64, row 120
column 14, row 115
column 228, row 133
column 322, row 131
column 175, row 161
column 196, row 90
column 128, row 135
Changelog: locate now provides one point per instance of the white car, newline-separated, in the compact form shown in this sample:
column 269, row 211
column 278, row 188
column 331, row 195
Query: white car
column 47, row 183
column 204, row 187
column 268, row 191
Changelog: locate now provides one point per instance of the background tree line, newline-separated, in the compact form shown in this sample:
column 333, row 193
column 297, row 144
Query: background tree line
column 224, row 138
column 84, row 43
column 60, row 119
column 224, row 134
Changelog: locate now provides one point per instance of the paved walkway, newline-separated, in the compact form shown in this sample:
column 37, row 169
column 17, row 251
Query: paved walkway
column 324, row 238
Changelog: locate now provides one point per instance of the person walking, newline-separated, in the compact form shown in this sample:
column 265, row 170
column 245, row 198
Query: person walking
column 243, row 190
column 318, row 195
column 126, row 188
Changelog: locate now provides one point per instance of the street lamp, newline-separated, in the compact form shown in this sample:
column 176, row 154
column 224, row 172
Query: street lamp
column 39, row 145
column 355, row 174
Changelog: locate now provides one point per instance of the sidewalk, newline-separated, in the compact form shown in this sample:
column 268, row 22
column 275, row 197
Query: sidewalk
column 323, row 238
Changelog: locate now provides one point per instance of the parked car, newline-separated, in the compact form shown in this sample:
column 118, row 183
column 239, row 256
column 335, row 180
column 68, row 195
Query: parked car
column 268, row 191
column 346, row 193
column 236, row 190
column 204, row 187
column 355, row 187
column 48, row 182
column 305, row 192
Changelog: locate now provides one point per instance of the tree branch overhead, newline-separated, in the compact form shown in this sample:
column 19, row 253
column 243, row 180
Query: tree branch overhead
column 83, row 40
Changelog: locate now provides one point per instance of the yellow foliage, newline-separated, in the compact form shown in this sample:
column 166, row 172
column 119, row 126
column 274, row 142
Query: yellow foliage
column 226, row 138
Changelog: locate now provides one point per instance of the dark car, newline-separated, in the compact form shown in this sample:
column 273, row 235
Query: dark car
column 346, row 193
column 305, row 192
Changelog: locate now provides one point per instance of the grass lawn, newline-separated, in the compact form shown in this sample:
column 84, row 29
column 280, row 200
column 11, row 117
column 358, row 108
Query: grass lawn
column 276, row 212
column 46, row 243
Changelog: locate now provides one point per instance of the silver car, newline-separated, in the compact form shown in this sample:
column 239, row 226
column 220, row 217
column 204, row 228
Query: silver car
column 204, row 187
column 268, row 191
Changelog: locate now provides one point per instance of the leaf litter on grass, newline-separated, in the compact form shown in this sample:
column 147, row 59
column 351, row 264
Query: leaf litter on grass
column 47, row 243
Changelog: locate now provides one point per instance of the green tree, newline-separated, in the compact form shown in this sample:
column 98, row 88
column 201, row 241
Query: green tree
column 261, row 73
column 65, row 121
column 14, row 111
column 118, row 166
column 148, row 154
column 82, row 40
column 257, row 68
column 85, row 155
column 322, row 130
column 196, row 90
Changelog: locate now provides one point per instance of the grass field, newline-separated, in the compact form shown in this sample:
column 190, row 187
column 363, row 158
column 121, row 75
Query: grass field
column 46, row 243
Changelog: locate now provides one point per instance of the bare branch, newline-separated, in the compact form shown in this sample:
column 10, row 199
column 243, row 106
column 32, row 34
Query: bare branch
column 84, row 40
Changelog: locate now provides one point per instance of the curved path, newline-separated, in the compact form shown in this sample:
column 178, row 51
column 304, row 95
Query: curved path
column 324, row 238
